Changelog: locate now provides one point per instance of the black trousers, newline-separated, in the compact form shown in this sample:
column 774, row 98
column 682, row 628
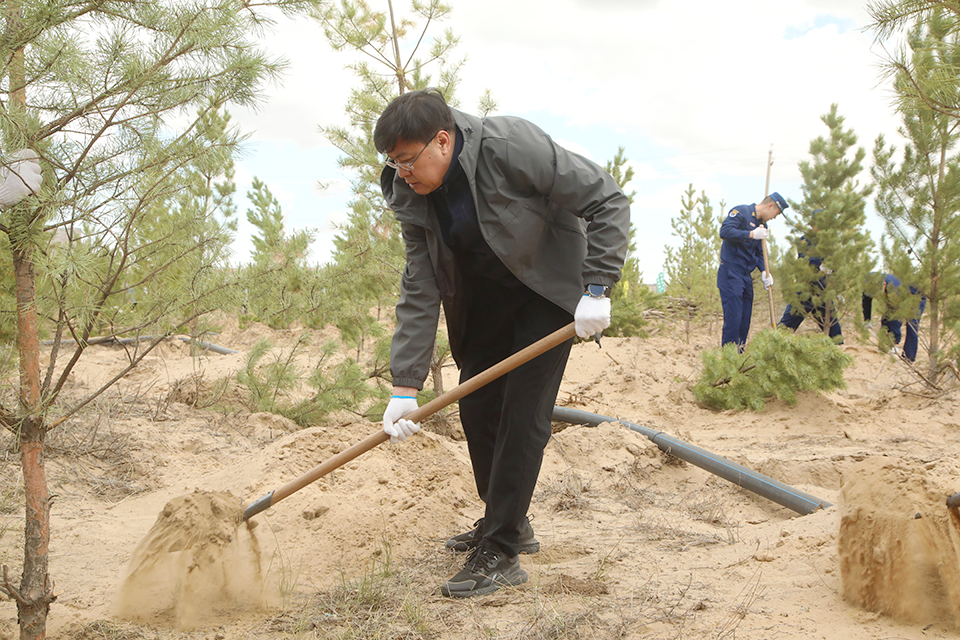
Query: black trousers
column 507, row 422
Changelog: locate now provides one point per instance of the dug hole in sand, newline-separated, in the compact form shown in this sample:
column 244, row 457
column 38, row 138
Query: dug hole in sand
column 899, row 545
column 197, row 564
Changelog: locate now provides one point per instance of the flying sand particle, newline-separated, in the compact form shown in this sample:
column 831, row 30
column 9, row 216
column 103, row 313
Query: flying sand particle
column 198, row 563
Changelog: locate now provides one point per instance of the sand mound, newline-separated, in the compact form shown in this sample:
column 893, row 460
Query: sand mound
column 899, row 545
column 196, row 564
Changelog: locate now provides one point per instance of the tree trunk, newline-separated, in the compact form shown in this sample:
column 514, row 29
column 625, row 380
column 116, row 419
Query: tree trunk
column 934, row 344
column 35, row 593
column 436, row 376
column 398, row 69
column 436, row 371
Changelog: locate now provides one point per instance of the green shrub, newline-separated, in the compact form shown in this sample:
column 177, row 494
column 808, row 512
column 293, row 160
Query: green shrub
column 272, row 384
column 776, row 363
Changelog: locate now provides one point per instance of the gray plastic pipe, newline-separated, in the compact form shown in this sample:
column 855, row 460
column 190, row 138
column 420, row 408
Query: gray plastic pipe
column 765, row 486
column 209, row 346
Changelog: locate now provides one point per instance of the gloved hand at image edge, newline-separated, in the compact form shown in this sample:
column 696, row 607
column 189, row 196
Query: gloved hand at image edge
column 592, row 316
column 19, row 177
column 767, row 279
column 393, row 423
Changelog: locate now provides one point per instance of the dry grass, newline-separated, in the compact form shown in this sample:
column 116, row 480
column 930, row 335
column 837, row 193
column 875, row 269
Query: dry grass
column 198, row 392
column 748, row 596
column 110, row 630
column 568, row 492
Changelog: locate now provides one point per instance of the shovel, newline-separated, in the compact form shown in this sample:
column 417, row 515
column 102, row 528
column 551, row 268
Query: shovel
column 471, row 385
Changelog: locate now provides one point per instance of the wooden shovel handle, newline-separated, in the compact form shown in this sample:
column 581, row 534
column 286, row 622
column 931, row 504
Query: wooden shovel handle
column 541, row 346
column 766, row 266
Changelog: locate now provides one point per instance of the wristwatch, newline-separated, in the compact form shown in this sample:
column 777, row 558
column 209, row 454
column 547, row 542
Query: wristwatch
column 597, row 291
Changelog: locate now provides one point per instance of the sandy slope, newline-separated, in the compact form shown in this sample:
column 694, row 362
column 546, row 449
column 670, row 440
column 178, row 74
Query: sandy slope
column 635, row 544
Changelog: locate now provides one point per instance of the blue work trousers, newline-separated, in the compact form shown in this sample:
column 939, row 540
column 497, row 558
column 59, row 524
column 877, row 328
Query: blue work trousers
column 912, row 339
column 793, row 320
column 736, row 297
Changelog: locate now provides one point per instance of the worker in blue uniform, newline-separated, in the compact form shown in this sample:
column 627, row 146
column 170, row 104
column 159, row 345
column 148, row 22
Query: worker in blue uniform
column 742, row 233
column 791, row 318
column 891, row 289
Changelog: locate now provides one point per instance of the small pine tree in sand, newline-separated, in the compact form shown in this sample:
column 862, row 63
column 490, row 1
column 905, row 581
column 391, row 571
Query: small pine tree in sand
column 776, row 363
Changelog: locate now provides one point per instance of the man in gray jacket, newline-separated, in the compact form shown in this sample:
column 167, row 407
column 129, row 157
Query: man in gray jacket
column 515, row 237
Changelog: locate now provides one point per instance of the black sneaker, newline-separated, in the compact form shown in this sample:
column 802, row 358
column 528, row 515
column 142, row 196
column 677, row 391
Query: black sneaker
column 484, row 572
column 469, row 540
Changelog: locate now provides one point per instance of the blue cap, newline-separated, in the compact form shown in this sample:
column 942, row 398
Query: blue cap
column 781, row 203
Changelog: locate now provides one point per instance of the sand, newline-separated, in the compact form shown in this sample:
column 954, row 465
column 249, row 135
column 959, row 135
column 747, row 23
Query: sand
column 635, row 544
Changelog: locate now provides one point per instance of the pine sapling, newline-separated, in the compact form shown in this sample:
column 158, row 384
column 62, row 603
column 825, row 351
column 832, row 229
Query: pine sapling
column 775, row 364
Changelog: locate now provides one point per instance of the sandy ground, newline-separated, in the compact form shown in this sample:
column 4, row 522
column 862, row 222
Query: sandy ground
column 635, row 544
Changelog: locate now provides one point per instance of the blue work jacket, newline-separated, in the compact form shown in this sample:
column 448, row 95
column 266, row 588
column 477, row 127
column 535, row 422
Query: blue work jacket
column 814, row 261
column 739, row 253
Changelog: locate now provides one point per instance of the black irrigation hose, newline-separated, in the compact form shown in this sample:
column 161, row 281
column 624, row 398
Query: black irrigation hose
column 765, row 486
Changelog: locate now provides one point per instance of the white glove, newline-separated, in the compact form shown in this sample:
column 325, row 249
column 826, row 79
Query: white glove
column 20, row 177
column 592, row 316
column 398, row 429
column 767, row 279
column 825, row 270
column 893, row 350
column 760, row 233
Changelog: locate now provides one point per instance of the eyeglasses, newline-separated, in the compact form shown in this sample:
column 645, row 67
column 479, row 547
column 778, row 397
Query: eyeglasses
column 408, row 166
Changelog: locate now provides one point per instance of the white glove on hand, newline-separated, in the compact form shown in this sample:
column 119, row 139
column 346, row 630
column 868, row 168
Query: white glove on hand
column 766, row 279
column 592, row 316
column 825, row 270
column 20, row 177
column 393, row 425
column 760, row 233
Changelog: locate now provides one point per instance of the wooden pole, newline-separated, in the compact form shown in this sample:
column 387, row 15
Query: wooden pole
column 763, row 243
column 766, row 266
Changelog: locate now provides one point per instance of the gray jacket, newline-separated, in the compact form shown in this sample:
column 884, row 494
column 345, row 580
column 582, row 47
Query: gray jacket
column 558, row 221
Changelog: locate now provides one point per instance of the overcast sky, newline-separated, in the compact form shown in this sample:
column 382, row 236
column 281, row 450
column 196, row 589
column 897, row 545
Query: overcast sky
column 697, row 91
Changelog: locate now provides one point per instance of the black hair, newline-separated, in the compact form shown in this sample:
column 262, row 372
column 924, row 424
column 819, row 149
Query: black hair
column 415, row 116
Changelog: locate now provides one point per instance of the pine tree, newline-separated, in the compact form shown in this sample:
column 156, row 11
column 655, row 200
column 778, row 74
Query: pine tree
column 934, row 87
column 774, row 364
column 691, row 267
column 368, row 258
column 104, row 92
column 919, row 197
column 831, row 257
column 629, row 297
column 368, row 254
column 279, row 279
